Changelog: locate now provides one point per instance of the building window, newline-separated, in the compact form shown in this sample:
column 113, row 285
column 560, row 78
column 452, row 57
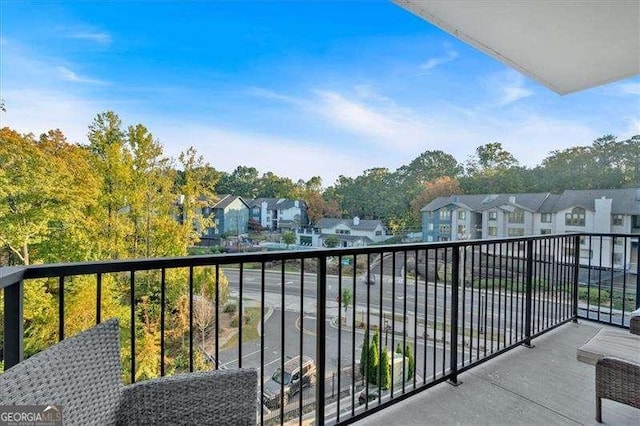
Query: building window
column 378, row 233
column 575, row 218
column 430, row 215
column 584, row 253
column 462, row 230
column 545, row 231
column 617, row 220
column 462, row 215
column 493, row 215
column 515, row 232
column 516, row 216
column 445, row 214
column 444, row 229
column 545, row 218
column 617, row 258
column 493, row 231
column 343, row 231
column 430, row 227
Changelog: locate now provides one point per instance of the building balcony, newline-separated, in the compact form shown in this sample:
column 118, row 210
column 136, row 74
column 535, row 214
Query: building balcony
column 443, row 312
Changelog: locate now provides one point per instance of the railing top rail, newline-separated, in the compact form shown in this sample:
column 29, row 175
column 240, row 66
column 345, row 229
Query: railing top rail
column 11, row 275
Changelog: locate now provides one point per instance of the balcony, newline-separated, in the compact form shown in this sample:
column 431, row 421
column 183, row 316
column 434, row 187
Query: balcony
column 443, row 312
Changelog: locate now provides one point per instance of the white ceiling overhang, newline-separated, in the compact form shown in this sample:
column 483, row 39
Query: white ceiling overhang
column 567, row 46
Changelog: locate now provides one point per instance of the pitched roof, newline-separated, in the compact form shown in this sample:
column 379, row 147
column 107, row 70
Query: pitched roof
column 226, row 200
column 482, row 202
column 275, row 203
column 363, row 224
column 624, row 201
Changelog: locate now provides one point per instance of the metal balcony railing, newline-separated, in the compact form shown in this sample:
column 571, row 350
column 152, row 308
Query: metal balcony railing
column 430, row 311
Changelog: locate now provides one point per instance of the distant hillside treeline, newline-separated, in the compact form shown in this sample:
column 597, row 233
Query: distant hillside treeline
column 115, row 195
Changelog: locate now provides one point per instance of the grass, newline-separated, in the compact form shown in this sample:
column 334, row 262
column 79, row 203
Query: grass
column 249, row 329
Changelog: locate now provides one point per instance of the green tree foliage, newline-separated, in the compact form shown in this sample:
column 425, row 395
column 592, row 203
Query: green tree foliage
column 384, row 380
column 373, row 358
column 243, row 181
column 331, row 241
column 194, row 193
column 41, row 195
column 288, row 238
column 346, row 298
column 411, row 361
column 364, row 355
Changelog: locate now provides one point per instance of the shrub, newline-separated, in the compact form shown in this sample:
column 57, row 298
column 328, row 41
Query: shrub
column 230, row 308
column 591, row 294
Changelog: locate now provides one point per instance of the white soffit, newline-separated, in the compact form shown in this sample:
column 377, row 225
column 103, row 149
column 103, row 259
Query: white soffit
column 567, row 46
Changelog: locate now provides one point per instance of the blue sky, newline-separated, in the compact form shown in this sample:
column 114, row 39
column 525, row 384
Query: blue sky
column 296, row 88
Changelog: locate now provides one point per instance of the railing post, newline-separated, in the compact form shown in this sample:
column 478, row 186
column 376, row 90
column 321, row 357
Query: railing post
column 529, row 295
column 576, row 276
column 13, row 324
column 321, row 304
column 455, row 282
column 638, row 276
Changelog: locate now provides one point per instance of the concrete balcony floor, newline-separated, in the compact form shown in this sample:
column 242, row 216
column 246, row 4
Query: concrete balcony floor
column 545, row 385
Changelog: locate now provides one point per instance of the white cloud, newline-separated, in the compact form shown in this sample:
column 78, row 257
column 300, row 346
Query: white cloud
column 225, row 149
column 513, row 89
column 436, row 61
column 99, row 37
column 67, row 75
column 383, row 124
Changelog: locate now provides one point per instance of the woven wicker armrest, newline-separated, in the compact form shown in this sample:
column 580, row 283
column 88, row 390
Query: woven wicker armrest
column 215, row 397
column 618, row 380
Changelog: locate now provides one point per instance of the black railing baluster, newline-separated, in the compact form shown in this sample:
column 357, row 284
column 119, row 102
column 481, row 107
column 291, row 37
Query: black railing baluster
column 380, row 318
column 368, row 325
column 529, row 294
column 216, row 326
column 340, row 302
column 444, row 310
column 624, row 280
column 393, row 317
column 415, row 317
column 98, row 298
column 455, row 281
column 600, row 279
column 576, row 277
column 613, row 259
column 320, row 337
column 163, row 290
column 61, row 308
column 353, row 337
column 426, row 316
column 191, row 320
column 282, row 349
column 262, row 330
column 132, row 301
column 241, row 313
column 638, row 275
column 301, row 336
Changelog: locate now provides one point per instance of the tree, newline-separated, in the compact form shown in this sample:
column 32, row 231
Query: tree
column 374, row 358
column 195, row 193
column 243, row 181
column 203, row 314
column 331, row 241
column 288, row 238
column 411, row 362
column 346, row 299
column 364, row 355
column 441, row 187
column 385, row 370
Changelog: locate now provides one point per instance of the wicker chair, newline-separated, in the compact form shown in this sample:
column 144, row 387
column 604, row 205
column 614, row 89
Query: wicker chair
column 82, row 374
column 617, row 379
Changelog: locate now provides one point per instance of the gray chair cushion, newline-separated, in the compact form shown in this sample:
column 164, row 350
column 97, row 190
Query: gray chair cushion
column 82, row 374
